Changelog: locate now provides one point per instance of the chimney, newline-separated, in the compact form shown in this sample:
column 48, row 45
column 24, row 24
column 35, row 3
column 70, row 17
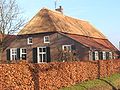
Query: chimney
column 60, row 9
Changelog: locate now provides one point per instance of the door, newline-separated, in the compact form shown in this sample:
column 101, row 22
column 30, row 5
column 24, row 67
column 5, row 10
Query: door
column 42, row 54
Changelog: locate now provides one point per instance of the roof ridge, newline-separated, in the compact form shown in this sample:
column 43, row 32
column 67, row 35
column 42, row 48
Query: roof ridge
column 47, row 20
column 54, row 11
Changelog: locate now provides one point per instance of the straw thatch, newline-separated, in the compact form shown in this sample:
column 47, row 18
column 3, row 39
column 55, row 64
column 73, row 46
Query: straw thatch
column 52, row 21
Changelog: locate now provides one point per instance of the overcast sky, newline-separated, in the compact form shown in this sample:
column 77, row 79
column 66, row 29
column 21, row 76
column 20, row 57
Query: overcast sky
column 102, row 14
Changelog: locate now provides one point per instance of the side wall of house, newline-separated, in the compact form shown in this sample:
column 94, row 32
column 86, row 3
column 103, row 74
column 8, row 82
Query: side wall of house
column 81, row 51
column 56, row 42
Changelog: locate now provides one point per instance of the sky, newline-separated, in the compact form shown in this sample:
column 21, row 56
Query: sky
column 102, row 14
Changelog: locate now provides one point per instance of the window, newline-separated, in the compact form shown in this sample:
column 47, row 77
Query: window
column 23, row 54
column 46, row 39
column 29, row 40
column 107, row 55
column 66, row 48
column 104, row 55
column 42, row 54
column 90, row 55
column 100, row 55
column 13, row 55
column 96, row 55
column 110, row 55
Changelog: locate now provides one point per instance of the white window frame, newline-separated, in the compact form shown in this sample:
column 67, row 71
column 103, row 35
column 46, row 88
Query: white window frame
column 46, row 37
column 42, row 53
column 90, row 55
column 13, row 56
column 22, row 53
column 96, row 55
column 110, row 55
column 66, row 47
column 104, row 55
column 28, row 40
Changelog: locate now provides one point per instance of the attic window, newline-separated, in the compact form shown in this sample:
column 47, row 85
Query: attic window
column 46, row 39
column 29, row 40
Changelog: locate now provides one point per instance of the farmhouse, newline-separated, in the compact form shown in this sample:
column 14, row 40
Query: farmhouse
column 52, row 36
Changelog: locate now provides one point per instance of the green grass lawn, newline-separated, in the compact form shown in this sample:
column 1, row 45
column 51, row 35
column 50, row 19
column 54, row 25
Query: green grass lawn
column 109, row 82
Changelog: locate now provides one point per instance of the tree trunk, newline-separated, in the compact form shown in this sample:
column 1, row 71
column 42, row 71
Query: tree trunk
column 1, row 51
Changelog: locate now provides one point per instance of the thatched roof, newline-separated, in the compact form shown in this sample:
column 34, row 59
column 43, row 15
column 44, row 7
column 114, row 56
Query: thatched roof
column 52, row 21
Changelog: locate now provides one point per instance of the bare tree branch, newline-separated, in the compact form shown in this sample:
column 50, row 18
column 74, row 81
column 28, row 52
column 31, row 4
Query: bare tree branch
column 10, row 20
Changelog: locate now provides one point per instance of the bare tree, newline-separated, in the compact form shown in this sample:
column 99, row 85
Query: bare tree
column 64, row 56
column 10, row 20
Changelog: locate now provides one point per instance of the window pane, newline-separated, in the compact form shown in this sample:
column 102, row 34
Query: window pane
column 15, row 57
column 29, row 40
column 44, row 57
column 65, row 48
column 14, row 54
column 24, row 56
column 96, row 55
column 110, row 55
column 23, row 50
column 40, row 49
column 44, row 50
column 40, row 57
column 46, row 39
column 104, row 55
column 69, row 48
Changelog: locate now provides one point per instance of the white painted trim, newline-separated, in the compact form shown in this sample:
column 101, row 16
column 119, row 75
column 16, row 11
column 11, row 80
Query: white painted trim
column 110, row 55
column 22, row 53
column 11, row 53
column 96, row 55
column 28, row 40
column 104, row 55
column 66, row 46
column 90, row 55
column 45, row 39
column 38, row 58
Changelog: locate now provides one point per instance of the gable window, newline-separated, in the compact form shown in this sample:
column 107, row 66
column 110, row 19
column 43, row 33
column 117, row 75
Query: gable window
column 66, row 48
column 13, row 55
column 46, row 39
column 23, row 54
column 29, row 40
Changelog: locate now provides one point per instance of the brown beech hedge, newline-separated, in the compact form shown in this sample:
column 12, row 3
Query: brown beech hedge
column 54, row 75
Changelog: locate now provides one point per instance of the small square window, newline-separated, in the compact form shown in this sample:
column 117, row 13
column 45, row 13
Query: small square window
column 46, row 39
column 29, row 40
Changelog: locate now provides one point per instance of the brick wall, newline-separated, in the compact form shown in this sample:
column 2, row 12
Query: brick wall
column 52, row 76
